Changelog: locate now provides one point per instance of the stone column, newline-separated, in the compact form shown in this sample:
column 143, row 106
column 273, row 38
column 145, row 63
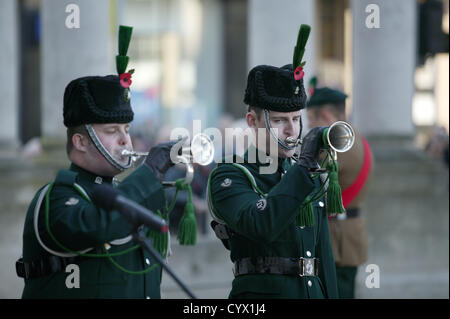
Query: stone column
column 210, row 86
column 235, row 57
column 406, row 210
column 68, row 53
column 9, row 133
column 383, row 67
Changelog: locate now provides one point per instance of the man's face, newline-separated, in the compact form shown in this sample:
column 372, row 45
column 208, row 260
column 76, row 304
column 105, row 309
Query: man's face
column 288, row 125
column 115, row 138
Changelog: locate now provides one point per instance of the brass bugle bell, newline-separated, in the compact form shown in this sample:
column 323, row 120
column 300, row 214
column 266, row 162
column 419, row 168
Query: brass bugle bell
column 201, row 151
column 340, row 137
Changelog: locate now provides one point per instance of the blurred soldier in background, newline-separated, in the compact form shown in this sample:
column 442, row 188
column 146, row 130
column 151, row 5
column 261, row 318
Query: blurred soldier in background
column 348, row 230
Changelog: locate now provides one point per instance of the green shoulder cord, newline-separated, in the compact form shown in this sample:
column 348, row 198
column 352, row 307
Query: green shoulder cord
column 106, row 254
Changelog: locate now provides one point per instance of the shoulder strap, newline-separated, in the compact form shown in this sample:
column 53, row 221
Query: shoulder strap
column 250, row 178
column 65, row 177
column 209, row 201
column 68, row 178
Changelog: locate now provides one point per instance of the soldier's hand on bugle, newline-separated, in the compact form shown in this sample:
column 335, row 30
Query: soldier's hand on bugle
column 158, row 158
column 311, row 145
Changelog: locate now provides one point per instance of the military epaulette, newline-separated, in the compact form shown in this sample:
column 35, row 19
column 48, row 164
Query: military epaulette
column 65, row 177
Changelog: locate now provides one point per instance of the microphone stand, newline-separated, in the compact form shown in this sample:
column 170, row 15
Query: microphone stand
column 146, row 243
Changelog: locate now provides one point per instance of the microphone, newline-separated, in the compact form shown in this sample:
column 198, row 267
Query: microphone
column 108, row 198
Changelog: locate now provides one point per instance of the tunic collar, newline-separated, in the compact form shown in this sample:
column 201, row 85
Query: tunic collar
column 283, row 163
column 88, row 178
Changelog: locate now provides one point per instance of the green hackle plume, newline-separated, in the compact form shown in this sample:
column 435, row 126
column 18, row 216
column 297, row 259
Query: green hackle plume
column 124, row 41
column 299, row 50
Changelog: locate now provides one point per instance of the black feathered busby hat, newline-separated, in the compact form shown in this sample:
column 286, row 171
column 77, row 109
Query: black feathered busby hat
column 279, row 89
column 101, row 99
column 273, row 88
column 96, row 99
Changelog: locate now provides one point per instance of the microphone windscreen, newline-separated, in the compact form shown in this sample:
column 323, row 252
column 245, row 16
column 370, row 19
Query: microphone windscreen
column 104, row 196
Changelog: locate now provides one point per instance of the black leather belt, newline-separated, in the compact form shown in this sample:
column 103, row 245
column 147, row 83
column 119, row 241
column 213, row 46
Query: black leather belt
column 350, row 213
column 45, row 266
column 277, row 265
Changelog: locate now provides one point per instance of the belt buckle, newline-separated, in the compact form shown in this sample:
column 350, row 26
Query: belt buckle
column 307, row 267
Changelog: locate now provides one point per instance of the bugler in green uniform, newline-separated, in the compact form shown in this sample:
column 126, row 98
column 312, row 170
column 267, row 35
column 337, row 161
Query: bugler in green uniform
column 279, row 248
column 78, row 224
column 71, row 230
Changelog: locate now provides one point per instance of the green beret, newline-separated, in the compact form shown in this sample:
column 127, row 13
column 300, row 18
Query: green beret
column 326, row 95
column 96, row 99
column 273, row 88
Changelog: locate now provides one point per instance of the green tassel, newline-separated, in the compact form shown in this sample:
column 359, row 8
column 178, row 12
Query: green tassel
column 299, row 50
column 124, row 42
column 334, row 195
column 187, row 229
column 160, row 240
column 305, row 214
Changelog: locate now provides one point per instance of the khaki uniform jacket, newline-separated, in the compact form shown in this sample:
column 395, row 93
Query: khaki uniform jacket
column 349, row 236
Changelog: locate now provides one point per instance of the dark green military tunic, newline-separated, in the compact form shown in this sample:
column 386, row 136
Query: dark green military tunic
column 272, row 231
column 78, row 225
